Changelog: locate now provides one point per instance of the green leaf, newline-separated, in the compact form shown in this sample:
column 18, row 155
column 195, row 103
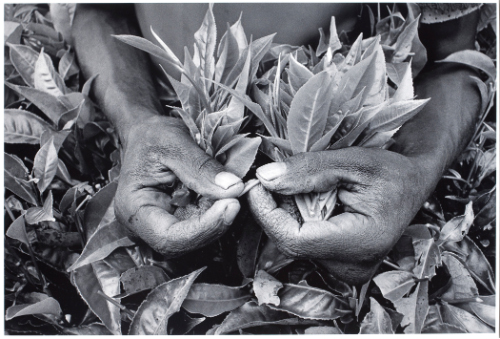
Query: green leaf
column 235, row 109
column 377, row 321
column 53, row 107
column 309, row 112
column 283, row 144
column 266, row 287
column 48, row 305
column 211, row 300
column 21, row 188
column 475, row 261
column 394, row 284
column 253, row 315
column 298, row 74
column 405, row 86
column 404, row 42
column 35, row 215
column 414, row 308
column 12, row 32
column 309, row 302
column 67, row 65
column 102, row 243
column 23, row 127
column 23, row 59
column 463, row 319
column 46, row 78
column 58, row 136
column 165, row 300
column 92, row 329
column 45, row 165
column 462, row 284
column 17, row 230
column 241, row 156
column 473, row 59
column 147, row 46
column 228, row 57
column 205, row 38
column 169, row 53
column 138, row 279
column 396, row 72
column 458, row 227
column 15, row 166
column 427, row 257
column 97, row 207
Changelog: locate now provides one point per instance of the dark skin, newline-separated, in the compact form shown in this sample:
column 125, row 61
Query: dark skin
column 381, row 190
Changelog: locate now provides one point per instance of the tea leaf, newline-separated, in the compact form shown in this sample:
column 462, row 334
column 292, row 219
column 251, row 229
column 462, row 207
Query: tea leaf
column 298, row 74
column 462, row 285
column 354, row 55
column 253, row 315
column 48, row 305
column 17, row 230
column 475, row 261
column 404, row 42
column 104, row 241
column 23, row 59
column 12, row 32
column 211, row 300
column 169, row 53
column 241, row 156
column 309, row 302
column 15, row 166
column 394, row 284
column 228, row 57
column 309, row 112
column 271, row 259
column 67, row 65
column 182, row 323
column 92, row 329
column 34, row 215
column 427, row 257
column 235, row 109
column 258, row 49
column 53, row 107
column 147, row 46
column 283, row 144
column 138, row 279
column 21, row 188
column 474, row 59
column 458, row 227
column 234, row 140
column 45, row 165
column 377, row 321
column 463, row 319
column 23, row 127
column 266, row 287
column 396, row 72
column 484, row 312
column 414, row 308
column 248, row 247
column 205, row 38
column 165, row 300
column 405, row 86
column 46, row 78
column 97, row 208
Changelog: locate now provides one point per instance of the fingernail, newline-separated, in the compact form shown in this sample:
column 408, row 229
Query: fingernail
column 226, row 180
column 230, row 212
column 272, row 171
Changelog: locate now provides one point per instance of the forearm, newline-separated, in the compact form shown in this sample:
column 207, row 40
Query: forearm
column 123, row 88
column 441, row 131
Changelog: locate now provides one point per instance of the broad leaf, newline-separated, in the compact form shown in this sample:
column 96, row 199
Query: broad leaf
column 310, row 303
column 147, row 46
column 48, row 305
column 46, row 78
column 462, row 284
column 211, row 300
column 23, row 127
column 394, row 284
column 138, row 279
column 104, row 241
column 298, row 74
column 414, row 308
column 427, row 257
column 458, row 227
column 405, row 86
column 12, row 32
column 309, row 112
column 97, row 207
column 463, row 319
column 474, row 59
column 24, row 58
column 165, row 300
column 15, row 166
column 404, row 42
column 34, row 215
column 396, row 72
column 205, row 38
column 45, row 165
column 241, row 156
column 17, row 230
column 377, row 321
column 266, row 288
column 20, row 187
column 53, row 107
column 253, row 315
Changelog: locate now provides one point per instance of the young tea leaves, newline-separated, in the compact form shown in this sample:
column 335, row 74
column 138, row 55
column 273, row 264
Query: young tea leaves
column 46, row 78
column 23, row 127
column 24, row 58
column 377, row 321
column 48, row 305
column 45, row 165
column 241, row 156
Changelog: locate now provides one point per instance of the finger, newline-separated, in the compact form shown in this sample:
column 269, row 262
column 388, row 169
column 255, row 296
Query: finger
column 171, row 237
column 200, row 172
column 320, row 171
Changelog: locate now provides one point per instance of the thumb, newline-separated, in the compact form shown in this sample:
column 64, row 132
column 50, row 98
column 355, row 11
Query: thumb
column 320, row 171
column 200, row 172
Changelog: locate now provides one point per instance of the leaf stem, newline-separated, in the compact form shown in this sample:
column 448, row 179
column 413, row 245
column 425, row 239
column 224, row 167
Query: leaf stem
column 117, row 304
column 388, row 263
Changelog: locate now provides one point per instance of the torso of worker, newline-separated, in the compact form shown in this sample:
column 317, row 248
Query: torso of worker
column 294, row 23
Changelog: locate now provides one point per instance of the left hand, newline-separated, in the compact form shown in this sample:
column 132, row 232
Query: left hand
column 381, row 191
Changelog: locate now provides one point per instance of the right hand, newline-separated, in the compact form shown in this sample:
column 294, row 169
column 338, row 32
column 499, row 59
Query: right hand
column 157, row 152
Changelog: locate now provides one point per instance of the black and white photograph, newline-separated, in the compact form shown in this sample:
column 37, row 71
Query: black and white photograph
column 263, row 168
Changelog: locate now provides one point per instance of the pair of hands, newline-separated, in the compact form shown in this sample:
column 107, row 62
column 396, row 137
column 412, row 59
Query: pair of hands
column 379, row 190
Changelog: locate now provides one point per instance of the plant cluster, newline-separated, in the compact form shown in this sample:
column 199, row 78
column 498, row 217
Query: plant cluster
column 71, row 269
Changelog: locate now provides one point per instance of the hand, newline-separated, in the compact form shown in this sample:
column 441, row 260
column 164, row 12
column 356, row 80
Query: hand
column 381, row 191
column 157, row 152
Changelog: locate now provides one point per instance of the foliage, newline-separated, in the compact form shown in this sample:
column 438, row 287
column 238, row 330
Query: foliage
column 70, row 269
